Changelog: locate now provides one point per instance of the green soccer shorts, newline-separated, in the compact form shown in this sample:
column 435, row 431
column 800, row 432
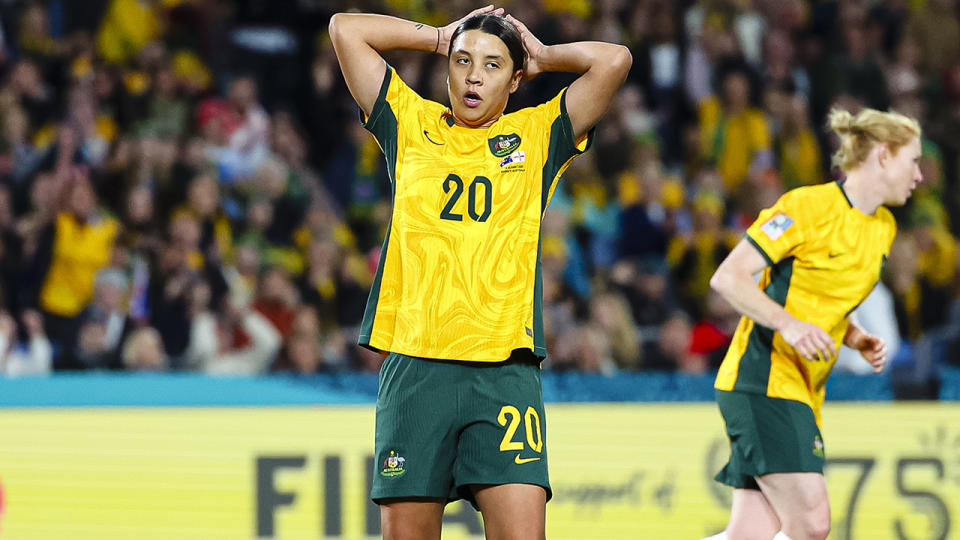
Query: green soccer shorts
column 443, row 426
column 768, row 435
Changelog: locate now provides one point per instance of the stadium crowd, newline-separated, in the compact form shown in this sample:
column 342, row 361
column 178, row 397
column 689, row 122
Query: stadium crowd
column 184, row 184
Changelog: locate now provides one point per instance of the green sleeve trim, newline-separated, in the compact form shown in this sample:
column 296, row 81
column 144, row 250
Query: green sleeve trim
column 371, row 124
column 760, row 249
column 568, row 128
column 562, row 149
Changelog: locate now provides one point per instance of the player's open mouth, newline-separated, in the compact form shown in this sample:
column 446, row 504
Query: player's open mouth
column 471, row 99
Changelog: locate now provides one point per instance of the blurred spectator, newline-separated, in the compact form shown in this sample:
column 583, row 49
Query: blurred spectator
column 103, row 325
column 276, row 300
column 902, row 275
column 855, row 70
column 694, row 257
column 80, row 243
column 797, row 151
column 671, row 350
column 236, row 342
column 169, row 294
column 127, row 27
column 610, row 315
column 711, row 335
column 143, row 351
column 35, row 357
column 733, row 133
column 645, row 283
column 935, row 29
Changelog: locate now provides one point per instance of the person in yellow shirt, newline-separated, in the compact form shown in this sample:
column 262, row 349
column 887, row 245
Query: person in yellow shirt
column 82, row 244
column 821, row 250
column 733, row 133
column 456, row 303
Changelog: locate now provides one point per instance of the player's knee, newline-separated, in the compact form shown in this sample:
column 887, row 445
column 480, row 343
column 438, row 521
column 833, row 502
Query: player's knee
column 820, row 528
column 816, row 525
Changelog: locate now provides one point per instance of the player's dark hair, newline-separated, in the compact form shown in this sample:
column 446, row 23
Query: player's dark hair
column 497, row 26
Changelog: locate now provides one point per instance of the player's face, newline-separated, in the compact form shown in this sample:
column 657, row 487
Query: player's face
column 481, row 78
column 903, row 174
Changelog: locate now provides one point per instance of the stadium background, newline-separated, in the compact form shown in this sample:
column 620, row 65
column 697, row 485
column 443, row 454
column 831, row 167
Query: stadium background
column 190, row 217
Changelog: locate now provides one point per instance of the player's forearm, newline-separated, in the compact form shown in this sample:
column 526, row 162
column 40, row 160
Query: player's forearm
column 582, row 56
column 853, row 334
column 743, row 294
column 382, row 32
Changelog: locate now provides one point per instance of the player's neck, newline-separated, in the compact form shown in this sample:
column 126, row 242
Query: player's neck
column 860, row 193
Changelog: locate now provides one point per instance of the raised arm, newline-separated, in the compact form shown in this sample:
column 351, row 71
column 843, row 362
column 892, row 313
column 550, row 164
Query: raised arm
column 734, row 281
column 602, row 67
column 360, row 38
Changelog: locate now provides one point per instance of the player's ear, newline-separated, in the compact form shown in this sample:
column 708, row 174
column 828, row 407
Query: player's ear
column 883, row 154
column 515, row 80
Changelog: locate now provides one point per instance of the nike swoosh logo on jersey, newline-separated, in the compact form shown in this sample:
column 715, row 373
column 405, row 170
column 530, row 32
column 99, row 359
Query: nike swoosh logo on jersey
column 520, row 461
column 427, row 135
column 835, row 255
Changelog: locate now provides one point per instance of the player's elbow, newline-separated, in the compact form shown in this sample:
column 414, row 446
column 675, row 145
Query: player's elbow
column 336, row 26
column 621, row 59
column 617, row 62
column 722, row 281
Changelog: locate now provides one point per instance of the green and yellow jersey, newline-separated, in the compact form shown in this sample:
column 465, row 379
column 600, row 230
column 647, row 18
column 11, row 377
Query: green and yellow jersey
column 825, row 257
column 459, row 272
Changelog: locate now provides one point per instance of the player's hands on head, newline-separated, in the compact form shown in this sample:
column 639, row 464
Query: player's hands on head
column 809, row 340
column 873, row 349
column 446, row 32
column 533, row 46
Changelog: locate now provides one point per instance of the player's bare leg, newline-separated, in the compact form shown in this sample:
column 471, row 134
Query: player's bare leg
column 751, row 517
column 800, row 501
column 512, row 511
column 411, row 519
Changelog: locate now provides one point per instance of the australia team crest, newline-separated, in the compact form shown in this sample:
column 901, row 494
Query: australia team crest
column 393, row 465
column 504, row 145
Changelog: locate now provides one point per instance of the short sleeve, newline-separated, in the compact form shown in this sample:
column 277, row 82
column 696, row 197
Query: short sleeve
column 778, row 233
column 562, row 146
column 394, row 103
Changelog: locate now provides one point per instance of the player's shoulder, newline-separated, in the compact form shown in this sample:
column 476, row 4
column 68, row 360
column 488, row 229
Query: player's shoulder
column 548, row 111
column 886, row 216
column 821, row 197
column 887, row 221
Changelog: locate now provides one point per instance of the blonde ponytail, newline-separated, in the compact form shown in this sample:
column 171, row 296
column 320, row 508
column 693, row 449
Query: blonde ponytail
column 858, row 134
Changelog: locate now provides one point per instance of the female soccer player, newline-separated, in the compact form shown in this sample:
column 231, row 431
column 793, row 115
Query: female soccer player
column 821, row 250
column 456, row 301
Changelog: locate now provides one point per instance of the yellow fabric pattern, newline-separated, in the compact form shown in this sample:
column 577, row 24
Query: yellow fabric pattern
column 79, row 252
column 825, row 257
column 459, row 278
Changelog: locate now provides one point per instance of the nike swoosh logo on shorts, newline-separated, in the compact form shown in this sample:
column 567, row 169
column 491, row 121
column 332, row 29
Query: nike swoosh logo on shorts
column 520, row 461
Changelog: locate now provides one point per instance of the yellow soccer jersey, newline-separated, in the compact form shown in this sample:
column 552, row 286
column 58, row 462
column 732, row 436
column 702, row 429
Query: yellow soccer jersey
column 825, row 257
column 459, row 273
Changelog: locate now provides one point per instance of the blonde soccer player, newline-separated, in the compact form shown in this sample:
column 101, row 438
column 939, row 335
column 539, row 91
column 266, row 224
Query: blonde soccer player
column 821, row 250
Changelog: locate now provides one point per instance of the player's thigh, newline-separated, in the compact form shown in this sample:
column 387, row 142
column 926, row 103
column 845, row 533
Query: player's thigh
column 504, row 440
column 798, row 498
column 416, row 429
column 411, row 519
column 512, row 511
column 751, row 516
